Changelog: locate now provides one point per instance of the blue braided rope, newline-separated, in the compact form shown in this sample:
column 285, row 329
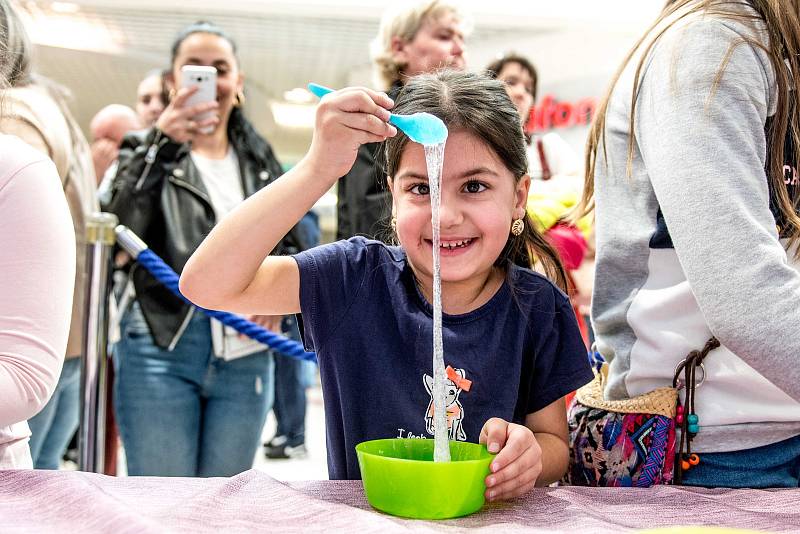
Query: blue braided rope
column 164, row 274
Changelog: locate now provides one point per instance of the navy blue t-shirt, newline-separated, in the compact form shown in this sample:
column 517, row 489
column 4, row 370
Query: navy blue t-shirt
column 373, row 333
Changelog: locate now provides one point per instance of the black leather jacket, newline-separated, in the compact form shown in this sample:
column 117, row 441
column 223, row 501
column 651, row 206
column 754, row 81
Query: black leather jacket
column 159, row 194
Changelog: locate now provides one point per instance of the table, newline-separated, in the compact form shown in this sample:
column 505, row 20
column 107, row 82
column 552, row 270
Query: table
column 63, row 501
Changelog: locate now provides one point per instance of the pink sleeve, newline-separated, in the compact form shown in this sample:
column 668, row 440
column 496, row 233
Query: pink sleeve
column 569, row 242
column 37, row 273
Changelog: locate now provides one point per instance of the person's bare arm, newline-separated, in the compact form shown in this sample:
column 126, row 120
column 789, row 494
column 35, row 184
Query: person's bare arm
column 231, row 269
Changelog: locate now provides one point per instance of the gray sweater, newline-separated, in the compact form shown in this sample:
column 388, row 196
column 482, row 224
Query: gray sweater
column 687, row 246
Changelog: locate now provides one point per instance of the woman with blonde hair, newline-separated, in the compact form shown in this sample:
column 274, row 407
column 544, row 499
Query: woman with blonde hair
column 414, row 39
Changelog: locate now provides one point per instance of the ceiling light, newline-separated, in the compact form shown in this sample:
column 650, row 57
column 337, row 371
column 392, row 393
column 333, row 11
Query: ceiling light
column 71, row 30
column 298, row 95
column 64, row 7
column 293, row 115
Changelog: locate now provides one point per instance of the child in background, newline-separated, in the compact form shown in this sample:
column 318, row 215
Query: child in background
column 509, row 333
column 555, row 185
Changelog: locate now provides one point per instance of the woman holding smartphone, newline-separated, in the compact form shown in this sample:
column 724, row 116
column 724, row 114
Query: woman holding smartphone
column 191, row 399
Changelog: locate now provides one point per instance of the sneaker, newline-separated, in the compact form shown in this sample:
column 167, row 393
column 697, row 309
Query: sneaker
column 286, row 452
column 277, row 441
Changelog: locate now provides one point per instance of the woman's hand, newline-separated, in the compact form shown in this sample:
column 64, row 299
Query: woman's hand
column 518, row 463
column 270, row 322
column 345, row 120
column 178, row 120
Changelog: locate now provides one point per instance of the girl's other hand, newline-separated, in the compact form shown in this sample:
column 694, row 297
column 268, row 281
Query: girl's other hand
column 177, row 120
column 345, row 120
column 518, row 463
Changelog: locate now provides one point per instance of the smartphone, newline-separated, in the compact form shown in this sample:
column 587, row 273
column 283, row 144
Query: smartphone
column 206, row 80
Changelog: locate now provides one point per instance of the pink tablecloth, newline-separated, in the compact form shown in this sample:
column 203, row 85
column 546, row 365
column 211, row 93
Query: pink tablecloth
column 53, row 501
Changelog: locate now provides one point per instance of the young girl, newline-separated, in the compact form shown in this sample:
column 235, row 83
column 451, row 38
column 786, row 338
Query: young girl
column 694, row 181
column 509, row 334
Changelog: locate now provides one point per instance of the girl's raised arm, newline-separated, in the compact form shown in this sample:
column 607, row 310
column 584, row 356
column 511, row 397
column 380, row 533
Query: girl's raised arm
column 231, row 270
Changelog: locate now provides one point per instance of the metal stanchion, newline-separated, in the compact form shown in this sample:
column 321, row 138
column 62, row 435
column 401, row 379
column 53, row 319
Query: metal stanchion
column 130, row 242
column 94, row 372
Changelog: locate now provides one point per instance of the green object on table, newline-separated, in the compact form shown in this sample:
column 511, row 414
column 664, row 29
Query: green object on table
column 401, row 478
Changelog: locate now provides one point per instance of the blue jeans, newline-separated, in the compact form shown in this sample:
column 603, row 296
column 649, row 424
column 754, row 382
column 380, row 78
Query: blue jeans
column 53, row 427
column 291, row 381
column 187, row 412
column 771, row 466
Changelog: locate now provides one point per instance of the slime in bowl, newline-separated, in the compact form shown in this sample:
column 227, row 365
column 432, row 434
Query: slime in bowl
column 401, row 478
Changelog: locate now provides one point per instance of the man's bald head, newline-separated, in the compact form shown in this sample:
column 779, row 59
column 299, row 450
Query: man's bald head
column 113, row 122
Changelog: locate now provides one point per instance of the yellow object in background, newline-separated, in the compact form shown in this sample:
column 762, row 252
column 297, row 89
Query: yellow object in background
column 547, row 208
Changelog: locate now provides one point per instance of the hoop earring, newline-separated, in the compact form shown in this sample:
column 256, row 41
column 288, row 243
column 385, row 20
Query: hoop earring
column 171, row 94
column 239, row 102
column 393, row 224
column 517, row 227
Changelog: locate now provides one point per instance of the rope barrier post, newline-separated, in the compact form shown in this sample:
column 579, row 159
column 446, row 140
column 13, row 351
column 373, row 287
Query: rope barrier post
column 100, row 239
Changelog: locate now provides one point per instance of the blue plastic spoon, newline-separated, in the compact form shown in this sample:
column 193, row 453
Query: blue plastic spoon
column 422, row 128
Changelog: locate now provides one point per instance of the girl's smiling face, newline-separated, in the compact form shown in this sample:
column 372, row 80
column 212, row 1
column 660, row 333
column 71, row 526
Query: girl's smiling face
column 480, row 199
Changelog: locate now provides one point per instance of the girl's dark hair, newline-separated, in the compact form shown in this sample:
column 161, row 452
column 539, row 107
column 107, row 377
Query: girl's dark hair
column 494, row 68
column 480, row 105
column 239, row 127
column 780, row 21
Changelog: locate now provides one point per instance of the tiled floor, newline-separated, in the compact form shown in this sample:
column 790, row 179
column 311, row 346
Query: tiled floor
column 314, row 466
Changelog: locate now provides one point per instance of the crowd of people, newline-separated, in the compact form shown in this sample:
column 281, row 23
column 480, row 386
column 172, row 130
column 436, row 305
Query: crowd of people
column 683, row 212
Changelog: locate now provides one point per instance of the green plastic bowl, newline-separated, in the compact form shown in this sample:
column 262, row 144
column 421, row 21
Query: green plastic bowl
column 401, row 478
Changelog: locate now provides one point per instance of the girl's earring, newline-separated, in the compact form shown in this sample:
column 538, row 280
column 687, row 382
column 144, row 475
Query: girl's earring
column 517, row 227
column 172, row 92
column 239, row 102
column 393, row 224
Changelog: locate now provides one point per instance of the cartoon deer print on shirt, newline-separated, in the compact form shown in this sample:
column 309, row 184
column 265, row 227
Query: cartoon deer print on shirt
column 455, row 411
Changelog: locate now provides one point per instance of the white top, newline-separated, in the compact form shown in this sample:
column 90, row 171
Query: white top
column 37, row 275
column 561, row 158
column 222, row 180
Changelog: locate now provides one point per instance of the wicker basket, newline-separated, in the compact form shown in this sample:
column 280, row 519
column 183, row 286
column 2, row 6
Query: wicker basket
column 661, row 401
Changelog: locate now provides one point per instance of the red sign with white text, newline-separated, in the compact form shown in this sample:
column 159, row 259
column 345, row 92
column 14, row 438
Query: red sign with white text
column 549, row 113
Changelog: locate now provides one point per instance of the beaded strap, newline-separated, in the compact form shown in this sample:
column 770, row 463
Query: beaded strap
column 686, row 416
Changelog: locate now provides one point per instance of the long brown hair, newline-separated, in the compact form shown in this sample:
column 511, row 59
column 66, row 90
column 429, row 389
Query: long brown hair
column 481, row 106
column 781, row 21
